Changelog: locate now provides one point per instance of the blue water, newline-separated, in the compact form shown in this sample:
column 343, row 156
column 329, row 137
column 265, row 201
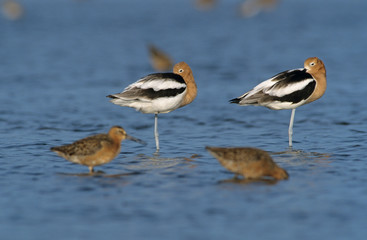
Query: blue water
column 58, row 63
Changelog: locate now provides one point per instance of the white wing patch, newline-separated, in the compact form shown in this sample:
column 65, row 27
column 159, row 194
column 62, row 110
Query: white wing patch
column 271, row 87
column 156, row 84
column 288, row 89
column 158, row 105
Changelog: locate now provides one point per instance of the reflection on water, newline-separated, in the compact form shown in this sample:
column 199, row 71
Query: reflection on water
column 245, row 181
column 145, row 162
column 100, row 174
column 156, row 196
column 93, row 181
column 295, row 157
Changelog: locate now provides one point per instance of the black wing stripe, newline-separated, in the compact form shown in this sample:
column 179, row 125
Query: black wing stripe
column 296, row 96
column 289, row 77
column 164, row 76
column 151, row 94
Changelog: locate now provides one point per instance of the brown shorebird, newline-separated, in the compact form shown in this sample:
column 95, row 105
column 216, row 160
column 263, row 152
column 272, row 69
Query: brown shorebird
column 95, row 150
column 160, row 60
column 252, row 163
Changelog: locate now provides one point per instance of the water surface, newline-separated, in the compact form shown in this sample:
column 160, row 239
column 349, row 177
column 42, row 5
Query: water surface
column 58, row 63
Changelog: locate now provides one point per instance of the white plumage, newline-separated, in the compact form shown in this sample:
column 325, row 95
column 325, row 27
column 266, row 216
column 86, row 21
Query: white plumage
column 143, row 95
column 156, row 84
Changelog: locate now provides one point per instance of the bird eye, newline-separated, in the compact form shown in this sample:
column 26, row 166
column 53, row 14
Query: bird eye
column 181, row 70
column 312, row 64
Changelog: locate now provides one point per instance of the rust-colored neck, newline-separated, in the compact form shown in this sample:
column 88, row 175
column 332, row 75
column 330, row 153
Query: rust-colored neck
column 191, row 90
column 320, row 77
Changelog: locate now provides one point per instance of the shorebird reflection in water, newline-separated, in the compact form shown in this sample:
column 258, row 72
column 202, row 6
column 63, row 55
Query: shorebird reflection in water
column 95, row 150
column 159, row 93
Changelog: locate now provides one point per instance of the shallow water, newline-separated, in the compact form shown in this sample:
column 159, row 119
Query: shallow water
column 61, row 59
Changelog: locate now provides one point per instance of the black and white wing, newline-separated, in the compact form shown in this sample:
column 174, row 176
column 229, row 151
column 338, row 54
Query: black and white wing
column 286, row 90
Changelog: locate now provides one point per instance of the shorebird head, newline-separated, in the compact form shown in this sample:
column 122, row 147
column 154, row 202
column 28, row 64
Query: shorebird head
column 183, row 69
column 314, row 65
column 280, row 174
column 119, row 133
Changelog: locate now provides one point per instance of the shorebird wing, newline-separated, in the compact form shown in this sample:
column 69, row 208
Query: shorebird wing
column 153, row 86
column 281, row 91
column 82, row 147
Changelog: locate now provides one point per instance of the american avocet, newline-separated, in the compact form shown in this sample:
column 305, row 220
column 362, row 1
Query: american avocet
column 289, row 90
column 160, row 61
column 252, row 163
column 95, row 150
column 159, row 93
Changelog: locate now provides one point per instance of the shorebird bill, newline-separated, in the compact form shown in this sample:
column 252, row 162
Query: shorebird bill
column 128, row 137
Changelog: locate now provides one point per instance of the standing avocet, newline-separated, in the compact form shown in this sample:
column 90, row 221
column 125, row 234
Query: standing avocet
column 159, row 93
column 289, row 89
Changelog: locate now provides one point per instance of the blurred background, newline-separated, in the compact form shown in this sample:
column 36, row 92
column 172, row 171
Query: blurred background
column 60, row 59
